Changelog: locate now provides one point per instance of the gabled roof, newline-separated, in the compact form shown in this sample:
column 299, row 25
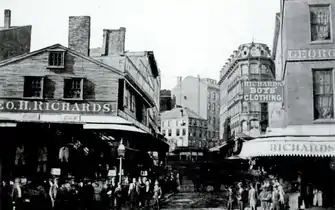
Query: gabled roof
column 59, row 46
column 180, row 112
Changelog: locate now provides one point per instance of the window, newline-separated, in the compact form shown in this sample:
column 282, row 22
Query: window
column 323, row 94
column 214, row 121
column 176, row 122
column 254, row 124
column 132, row 102
column 200, row 133
column 214, row 96
column 244, row 126
column 169, row 132
column 214, row 107
column 56, row 59
column 33, row 87
column 209, row 120
column 320, row 22
column 177, row 132
column 245, row 106
column 245, row 70
column 163, row 132
column 168, row 123
column 209, row 106
column 126, row 98
column 254, row 68
column 255, row 107
column 73, row 88
column 184, row 132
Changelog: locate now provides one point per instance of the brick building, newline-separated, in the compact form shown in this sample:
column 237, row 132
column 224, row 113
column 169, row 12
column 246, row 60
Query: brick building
column 14, row 40
column 59, row 96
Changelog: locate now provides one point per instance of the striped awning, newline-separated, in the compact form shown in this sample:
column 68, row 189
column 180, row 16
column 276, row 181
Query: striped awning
column 307, row 146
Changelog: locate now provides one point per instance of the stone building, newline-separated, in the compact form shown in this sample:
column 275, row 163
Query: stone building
column 185, row 130
column 59, row 96
column 14, row 40
column 201, row 95
column 250, row 62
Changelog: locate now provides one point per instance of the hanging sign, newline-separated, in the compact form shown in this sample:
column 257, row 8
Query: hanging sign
column 55, row 171
column 111, row 172
column 263, row 91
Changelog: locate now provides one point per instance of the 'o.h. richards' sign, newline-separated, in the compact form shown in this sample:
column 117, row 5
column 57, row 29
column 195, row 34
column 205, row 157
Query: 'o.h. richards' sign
column 263, row 91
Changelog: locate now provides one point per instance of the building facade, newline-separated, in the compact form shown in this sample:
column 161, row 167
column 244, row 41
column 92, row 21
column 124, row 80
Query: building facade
column 166, row 101
column 202, row 95
column 305, row 58
column 250, row 62
column 14, row 40
column 184, row 128
column 62, row 94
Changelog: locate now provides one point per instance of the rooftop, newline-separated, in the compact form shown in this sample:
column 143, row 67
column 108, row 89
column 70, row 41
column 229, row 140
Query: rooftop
column 180, row 112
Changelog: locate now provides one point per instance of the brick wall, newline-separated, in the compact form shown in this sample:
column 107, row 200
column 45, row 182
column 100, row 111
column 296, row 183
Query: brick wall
column 80, row 34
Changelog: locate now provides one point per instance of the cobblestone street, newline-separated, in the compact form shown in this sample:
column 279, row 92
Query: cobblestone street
column 192, row 200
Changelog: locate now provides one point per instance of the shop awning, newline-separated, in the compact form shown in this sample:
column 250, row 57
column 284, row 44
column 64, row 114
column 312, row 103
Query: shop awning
column 130, row 128
column 309, row 146
column 217, row 148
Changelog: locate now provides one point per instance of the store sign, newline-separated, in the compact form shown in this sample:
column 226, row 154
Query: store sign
column 263, row 91
column 11, row 105
column 311, row 54
column 302, row 147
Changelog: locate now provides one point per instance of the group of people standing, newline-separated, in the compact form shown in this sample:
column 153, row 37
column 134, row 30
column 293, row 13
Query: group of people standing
column 69, row 194
column 268, row 195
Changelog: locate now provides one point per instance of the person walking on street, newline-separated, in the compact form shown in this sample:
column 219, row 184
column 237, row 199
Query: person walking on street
column 230, row 201
column 239, row 196
column 252, row 197
column 157, row 195
column 132, row 192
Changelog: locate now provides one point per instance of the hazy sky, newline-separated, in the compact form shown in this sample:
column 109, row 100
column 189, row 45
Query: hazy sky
column 188, row 37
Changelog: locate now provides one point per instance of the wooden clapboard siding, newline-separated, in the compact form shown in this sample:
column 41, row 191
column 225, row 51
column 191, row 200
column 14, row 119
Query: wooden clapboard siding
column 102, row 82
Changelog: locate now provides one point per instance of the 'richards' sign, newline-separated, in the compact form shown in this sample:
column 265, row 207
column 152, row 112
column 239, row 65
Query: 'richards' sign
column 9, row 105
column 263, row 91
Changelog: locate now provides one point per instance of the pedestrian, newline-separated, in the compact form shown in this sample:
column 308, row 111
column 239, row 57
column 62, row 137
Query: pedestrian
column 230, row 200
column 252, row 197
column 132, row 192
column 239, row 196
column 157, row 195
column 147, row 194
column 118, row 197
column 275, row 198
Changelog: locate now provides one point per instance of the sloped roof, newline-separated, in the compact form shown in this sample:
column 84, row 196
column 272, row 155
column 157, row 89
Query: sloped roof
column 59, row 46
column 177, row 113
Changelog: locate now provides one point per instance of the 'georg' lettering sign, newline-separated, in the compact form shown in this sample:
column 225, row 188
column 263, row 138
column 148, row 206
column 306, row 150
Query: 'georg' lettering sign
column 263, row 91
column 307, row 148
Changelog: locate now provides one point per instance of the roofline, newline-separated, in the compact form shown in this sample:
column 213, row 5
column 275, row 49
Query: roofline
column 14, row 27
column 20, row 57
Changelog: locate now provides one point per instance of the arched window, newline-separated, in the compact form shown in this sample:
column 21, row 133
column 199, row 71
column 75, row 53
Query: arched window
column 245, row 106
column 245, row 69
column 254, row 68
column 209, row 106
column 244, row 126
column 254, row 124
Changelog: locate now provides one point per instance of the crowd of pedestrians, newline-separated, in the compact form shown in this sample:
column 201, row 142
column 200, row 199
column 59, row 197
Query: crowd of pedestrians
column 269, row 195
column 69, row 194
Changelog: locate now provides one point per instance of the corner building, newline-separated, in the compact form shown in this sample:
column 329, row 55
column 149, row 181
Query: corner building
column 59, row 98
column 251, row 62
column 300, row 139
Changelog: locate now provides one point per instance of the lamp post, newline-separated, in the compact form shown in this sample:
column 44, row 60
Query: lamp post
column 121, row 150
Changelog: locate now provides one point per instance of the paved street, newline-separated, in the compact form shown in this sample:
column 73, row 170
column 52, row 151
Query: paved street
column 191, row 200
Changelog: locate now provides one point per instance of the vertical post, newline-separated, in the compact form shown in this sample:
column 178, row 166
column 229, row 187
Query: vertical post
column 120, row 171
column 181, row 92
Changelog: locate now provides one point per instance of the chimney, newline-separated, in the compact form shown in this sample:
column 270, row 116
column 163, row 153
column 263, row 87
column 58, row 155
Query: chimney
column 7, row 18
column 114, row 41
column 80, row 34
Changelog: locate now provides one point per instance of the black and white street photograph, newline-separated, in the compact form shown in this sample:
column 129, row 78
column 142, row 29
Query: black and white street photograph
column 167, row 105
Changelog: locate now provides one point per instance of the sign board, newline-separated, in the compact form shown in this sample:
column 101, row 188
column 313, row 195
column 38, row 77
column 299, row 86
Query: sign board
column 65, row 107
column 302, row 147
column 112, row 172
column 55, row 171
column 263, row 91
column 310, row 54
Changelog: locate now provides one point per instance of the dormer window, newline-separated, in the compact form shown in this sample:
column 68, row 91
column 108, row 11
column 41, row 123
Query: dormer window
column 56, row 59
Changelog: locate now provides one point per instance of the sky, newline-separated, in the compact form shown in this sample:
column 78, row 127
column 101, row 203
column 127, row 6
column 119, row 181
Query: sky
column 188, row 37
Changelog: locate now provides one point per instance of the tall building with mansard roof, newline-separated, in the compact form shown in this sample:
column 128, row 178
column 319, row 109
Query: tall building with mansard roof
column 251, row 61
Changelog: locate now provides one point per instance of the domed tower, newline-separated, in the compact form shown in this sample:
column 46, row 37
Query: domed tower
column 250, row 62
